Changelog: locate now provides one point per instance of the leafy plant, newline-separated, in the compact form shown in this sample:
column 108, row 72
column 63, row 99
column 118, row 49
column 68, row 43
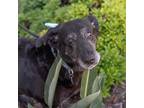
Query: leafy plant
column 84, row 84
column 112, row 42
column 85, row 102
column 30, row 106
column 97, row 85
column 51, row 81
column 91, row 86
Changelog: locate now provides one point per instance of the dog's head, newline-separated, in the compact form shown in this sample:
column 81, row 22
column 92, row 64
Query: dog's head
column 76, row 42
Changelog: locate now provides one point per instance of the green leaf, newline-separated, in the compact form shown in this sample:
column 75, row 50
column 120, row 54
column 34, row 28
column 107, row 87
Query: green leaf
column 85, row 102
column 29, row 105
column 97, row 85
column 92, row 77
column 51, row 81
column 53, row 85
column 84, row 84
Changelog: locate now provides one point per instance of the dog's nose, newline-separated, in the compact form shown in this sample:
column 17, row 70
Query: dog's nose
column 93, row 60
column 90, row 61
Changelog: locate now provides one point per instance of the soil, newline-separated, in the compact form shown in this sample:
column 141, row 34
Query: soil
column 117, row 98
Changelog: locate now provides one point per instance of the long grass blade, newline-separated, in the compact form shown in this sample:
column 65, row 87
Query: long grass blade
column 84, row 84
column 53, row 84
column 53, row 70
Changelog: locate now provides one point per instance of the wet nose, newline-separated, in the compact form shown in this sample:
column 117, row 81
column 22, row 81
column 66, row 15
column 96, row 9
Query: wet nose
column 90, row 61
column 94, row 59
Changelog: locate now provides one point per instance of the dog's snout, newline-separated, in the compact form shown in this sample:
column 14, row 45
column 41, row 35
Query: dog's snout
column 93, row 59
column 90, row 52
column 90, row 61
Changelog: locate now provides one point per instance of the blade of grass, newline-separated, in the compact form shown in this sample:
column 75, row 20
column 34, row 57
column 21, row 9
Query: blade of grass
column 84, row 84
column 53, row 84
column 55, row 67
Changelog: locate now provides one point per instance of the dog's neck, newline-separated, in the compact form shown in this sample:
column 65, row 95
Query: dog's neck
column 69, row 73
column 46, row 56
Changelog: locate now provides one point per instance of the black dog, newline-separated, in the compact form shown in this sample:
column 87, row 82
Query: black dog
column 75, row 42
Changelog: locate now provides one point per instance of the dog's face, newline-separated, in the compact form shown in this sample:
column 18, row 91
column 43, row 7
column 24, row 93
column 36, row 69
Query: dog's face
column 75, row 41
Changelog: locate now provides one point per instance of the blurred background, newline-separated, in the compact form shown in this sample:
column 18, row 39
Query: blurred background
column 111, row 15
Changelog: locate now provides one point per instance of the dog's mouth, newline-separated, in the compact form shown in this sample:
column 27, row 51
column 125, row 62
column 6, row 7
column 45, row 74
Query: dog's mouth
column 91, row 65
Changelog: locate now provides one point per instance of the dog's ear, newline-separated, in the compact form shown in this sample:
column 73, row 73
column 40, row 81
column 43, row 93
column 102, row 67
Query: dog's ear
column 93, row 21
column 52, row 37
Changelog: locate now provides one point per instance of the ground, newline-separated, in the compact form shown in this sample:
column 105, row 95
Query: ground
column 117, row 98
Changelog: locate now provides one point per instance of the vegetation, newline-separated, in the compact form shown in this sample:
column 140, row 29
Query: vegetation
column 111, row 16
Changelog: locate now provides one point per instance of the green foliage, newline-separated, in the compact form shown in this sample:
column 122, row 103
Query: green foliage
column 85, row 102
column 111, row 16
column 84, row 84
column 112, row 42
column 51, row 81
column 96, row 86
column 29, row 105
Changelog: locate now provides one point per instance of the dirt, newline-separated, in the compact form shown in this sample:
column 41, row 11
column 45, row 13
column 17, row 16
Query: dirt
column 117, row 98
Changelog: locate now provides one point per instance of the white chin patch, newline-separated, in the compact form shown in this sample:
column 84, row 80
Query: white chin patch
column 92, row 66
column 85, row 66
column 82, row 64
column 97, row 56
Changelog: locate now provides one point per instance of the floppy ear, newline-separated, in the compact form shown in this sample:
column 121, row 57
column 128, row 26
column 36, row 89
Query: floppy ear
column 93, row 21
column 52, row 37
